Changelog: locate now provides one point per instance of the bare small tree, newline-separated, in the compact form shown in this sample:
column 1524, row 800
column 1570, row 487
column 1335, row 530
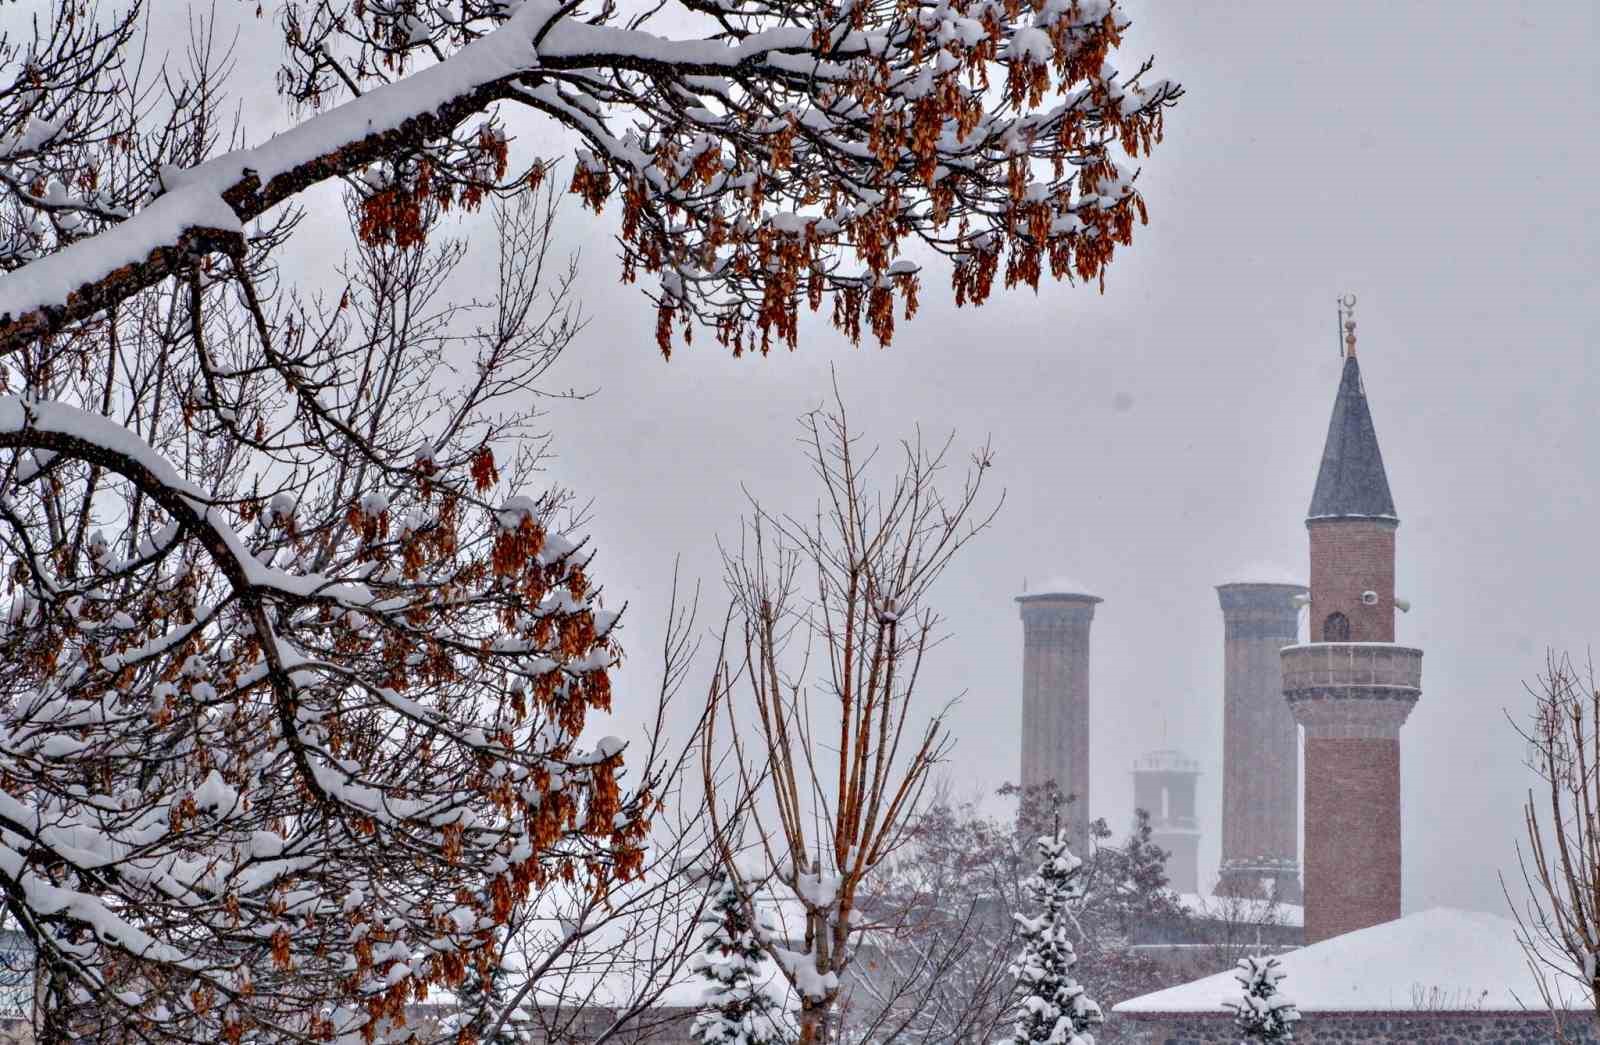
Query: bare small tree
column 1225, row 929
column 815, row 689
column 595, row 967
column 938, row 931
column 1559, row 923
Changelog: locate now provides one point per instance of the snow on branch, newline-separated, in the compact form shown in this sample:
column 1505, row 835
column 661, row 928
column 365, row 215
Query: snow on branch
column 789, row 155
column 292, row 726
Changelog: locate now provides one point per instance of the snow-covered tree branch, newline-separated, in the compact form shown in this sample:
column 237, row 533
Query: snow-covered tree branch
column 764, row 154
column 296, row 674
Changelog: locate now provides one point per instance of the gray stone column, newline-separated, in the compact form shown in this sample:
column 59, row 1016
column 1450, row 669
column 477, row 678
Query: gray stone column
column 1055, row 699
column 1260, row 744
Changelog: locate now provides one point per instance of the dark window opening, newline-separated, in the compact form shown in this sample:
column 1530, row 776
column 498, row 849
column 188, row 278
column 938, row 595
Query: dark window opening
column 1336, row 628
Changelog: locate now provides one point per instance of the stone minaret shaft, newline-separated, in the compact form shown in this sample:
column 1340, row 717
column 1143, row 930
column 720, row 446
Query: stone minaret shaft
column 1055, row 700
column 1164, row 786
column 1260, row 744
column 1351, row 687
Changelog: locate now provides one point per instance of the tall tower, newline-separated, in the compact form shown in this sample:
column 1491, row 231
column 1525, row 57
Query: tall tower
column 1055, row 698
column 1260, row 744
column 1351, row 687
column 1163, row 786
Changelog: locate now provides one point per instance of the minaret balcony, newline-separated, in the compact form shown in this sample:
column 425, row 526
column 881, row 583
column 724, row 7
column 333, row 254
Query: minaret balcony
column 1351, row 671
column 1351, row 689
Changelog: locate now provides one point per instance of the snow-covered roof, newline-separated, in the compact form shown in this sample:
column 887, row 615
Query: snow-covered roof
column 1441, row 959
column 1242, row 909
column 1060, row 585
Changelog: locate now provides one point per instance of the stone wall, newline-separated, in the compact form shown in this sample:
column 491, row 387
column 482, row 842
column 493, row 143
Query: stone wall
column 1424, row 1028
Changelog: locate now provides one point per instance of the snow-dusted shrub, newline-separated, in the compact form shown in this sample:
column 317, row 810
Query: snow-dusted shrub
column 733, row 965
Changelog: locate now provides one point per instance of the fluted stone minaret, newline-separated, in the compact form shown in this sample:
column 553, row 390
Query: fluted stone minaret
column 1260, row 744
column 1351, row 687
column 1055, row 699
column 1163, row 786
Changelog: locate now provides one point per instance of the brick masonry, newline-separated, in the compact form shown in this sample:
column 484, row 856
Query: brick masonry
column 1349, row 557
column 1454, row 1027
column 1261, row 775
column 1055, row 699
column 1353, row 855
column 1352, row 696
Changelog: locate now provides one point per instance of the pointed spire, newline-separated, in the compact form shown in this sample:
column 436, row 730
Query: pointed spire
column 1351, row 481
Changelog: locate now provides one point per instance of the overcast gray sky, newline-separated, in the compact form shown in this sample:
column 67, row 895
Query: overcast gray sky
column 1437, row 160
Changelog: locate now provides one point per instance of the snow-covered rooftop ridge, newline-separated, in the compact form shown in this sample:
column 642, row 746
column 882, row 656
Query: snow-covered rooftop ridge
column 1166, row 760
column 1058, row 585
column 1242, row 909
column 1442, row 959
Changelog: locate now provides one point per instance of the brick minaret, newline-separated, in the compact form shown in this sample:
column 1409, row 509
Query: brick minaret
column 1351, row 687
column 1055, row 699
column 1163, row 786
column 1260, row 744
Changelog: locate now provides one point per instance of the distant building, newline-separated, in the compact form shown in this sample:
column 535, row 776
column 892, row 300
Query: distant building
column 1164, row 787
column 17, row 967
column 1350, row 687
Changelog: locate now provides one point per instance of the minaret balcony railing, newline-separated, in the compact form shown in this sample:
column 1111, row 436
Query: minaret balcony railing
column 1335, row 671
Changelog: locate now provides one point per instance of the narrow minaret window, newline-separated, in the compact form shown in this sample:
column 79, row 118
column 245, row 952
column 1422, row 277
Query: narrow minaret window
column 1336, row 628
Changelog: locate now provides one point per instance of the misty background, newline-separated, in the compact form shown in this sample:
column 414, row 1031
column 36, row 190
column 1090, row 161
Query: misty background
column 1435, row 159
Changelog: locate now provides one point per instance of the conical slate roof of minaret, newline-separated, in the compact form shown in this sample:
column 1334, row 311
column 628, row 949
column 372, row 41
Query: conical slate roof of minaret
column 1351, row 481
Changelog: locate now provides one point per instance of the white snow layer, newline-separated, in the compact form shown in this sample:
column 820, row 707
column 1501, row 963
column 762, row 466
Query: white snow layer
column 1267, row 573
column 1059, row 585
column 1441, row 959
column 194, row 197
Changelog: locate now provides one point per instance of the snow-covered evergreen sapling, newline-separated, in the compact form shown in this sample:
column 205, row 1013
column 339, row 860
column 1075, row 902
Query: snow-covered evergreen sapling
column 481, row 1001
column 1264, row 1014
column 738, row 1010
column 1055, row 1008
